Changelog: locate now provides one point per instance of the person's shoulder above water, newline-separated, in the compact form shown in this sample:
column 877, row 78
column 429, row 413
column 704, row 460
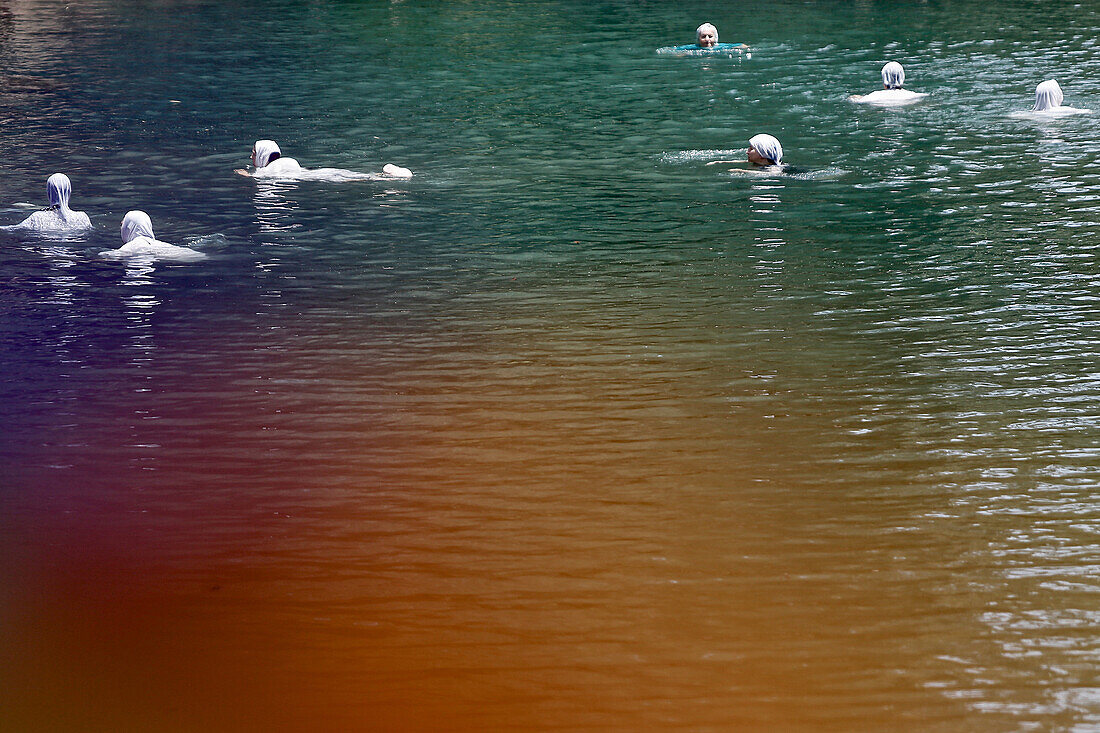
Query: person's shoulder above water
column 706, row 42
column 269, row 161
column 892, row 93
column 888, row 96
column 58, row 217
column 1048, row 101
column 139, row 242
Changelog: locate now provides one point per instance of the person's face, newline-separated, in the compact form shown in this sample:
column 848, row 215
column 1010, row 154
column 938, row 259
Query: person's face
column 708, row 38
column 253, row 156
column 756, row 158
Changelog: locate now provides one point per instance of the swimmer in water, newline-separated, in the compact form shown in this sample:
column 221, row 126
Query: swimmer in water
column 1048, row 98
column 893, row 77
column 706, row 36
column 58, row 217
column 138, row 241
column 765, row 153
column 764, row 150
column 270, row 163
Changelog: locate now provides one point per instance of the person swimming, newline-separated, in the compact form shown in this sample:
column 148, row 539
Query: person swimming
column 138, row 241
column 270, row 163
column 765, row 150
column 892, row 93
column 1048, row 104
column 765, row 153
column 706, row 36
column 58, row 217
column 706, row 44
column 1048, row 98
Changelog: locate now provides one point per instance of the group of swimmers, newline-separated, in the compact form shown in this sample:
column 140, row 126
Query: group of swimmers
column 138, row 239
column 765, row 151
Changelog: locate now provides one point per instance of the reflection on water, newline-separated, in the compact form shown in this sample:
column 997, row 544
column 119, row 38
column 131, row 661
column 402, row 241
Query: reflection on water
column 572, row 430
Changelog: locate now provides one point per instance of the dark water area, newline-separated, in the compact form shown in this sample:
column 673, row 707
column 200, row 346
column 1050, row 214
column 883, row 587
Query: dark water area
column 571, row 430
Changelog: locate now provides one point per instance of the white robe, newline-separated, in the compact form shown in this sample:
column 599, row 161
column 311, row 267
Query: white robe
column 139, row 242
column 889, row 97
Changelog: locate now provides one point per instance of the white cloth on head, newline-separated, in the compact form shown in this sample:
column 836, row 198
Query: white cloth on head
column 136, row 224
column 893, row 75
column 58, row 189
column 139, row 242
column 266, row 167
column 706, row 27
column 768, row 147
column 262, row 152
column 1048, row 95
column 59, row 217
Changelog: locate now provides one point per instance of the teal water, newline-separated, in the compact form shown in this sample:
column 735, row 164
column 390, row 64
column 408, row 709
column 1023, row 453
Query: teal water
column 571, row 430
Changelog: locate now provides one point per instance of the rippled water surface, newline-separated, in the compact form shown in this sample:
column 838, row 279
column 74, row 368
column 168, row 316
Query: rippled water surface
column 572, row 430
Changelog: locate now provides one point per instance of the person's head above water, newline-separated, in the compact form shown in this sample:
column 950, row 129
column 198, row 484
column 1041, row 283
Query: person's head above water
column 893, row 75
column 136, row 224
column 58, row 190
column 265, row 151
column 1048, row 95
column 765, row 150
column 706, row 36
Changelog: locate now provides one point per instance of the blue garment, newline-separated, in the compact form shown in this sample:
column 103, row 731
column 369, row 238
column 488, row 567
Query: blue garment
column 693, row 49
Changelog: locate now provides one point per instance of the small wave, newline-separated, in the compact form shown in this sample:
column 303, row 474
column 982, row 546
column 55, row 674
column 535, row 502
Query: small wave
column 686, row 156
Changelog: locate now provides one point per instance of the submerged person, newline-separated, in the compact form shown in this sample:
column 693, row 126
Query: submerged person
column 58, row 217
column 706, row 44
column 270, row 163
column 1048, row 98
column 138, row 241
column 893, row 77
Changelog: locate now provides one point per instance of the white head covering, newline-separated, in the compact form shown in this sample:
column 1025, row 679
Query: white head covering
column 768, row 147
column 136, row 224
column 706, row 27
column 893, row 75
column 58, row 190
column 1048, row 95
column 264, row 150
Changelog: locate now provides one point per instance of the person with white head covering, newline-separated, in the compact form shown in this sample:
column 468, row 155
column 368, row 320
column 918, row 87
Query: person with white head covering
column 139, row 242
column 1048, row 99
column 1048, row 95
column 270, row 163
column 706, row 36
column 58, row 217
column 765, row 150
column 893, row 77
column 765, row 153
column 1048, row 103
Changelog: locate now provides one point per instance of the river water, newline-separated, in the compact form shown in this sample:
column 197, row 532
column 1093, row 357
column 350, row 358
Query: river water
column 570, row 431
